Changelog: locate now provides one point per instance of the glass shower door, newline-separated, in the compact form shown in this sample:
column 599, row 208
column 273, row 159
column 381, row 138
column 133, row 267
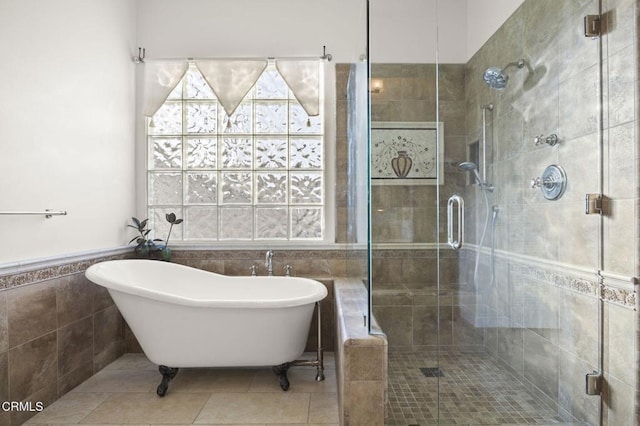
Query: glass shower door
column 519, row 318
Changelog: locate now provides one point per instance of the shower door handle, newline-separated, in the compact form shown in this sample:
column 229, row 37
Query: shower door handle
column 459, row 201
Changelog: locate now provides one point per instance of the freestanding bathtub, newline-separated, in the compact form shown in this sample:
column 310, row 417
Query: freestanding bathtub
column 186, row 317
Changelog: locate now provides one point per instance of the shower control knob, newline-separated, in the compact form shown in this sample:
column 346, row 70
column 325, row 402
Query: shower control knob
column 536, row 182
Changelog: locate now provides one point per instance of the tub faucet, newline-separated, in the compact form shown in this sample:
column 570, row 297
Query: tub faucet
column 268, row 262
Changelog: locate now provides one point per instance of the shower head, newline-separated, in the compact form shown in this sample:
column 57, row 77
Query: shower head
column 496, row 78
column 468, row 166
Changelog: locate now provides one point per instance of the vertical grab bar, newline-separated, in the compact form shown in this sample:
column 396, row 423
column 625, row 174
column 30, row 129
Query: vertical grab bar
column 457, row 243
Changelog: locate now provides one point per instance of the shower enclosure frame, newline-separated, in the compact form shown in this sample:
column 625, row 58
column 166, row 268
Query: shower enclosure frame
column 524, row 258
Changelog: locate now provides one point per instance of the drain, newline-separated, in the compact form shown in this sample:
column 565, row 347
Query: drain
column 432, row 372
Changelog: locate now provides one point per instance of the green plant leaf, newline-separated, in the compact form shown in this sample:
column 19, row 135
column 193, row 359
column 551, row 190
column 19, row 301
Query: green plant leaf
column 136, row 221
column 177, row 222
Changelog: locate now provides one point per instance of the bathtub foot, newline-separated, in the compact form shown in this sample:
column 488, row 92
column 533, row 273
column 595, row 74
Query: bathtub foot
column 281, row 372
column 168, row 374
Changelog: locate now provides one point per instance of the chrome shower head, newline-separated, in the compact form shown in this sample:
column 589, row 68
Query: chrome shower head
column 468, row 166
column 496, row 78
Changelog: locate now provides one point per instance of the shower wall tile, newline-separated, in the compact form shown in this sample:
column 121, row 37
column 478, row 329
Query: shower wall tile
column 511, row 348
column 428, row 321
column 551, row 309
column 619, row 245
column 621, row 352
column 541, row 363
column 571, row 395
column 619, row 24
column 619, row 403
column 579, row 104
column 396, row 321
column 621, row 84
column 465, row 331
column 621, row 157
column 578, row 322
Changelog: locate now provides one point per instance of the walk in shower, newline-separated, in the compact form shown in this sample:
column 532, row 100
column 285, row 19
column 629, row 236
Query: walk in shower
column 506, row 298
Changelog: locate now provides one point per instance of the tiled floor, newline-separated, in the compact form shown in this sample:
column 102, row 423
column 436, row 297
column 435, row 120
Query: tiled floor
column 125, row 393
column 474, row 390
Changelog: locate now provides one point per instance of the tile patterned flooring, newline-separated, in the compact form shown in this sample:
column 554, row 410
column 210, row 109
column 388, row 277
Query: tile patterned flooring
column 125, row 393
column 474, row 390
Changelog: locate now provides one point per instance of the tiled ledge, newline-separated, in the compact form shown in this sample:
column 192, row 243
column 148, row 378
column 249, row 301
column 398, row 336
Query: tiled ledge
column 361, row 358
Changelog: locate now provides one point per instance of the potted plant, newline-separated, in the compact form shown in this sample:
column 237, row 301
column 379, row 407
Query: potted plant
column 152, row 248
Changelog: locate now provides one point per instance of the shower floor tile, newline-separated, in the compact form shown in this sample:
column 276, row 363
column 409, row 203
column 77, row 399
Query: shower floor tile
column 124, row 392
column 474, row 390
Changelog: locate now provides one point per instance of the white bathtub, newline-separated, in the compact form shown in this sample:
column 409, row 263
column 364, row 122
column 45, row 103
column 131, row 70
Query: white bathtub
column 186, row 317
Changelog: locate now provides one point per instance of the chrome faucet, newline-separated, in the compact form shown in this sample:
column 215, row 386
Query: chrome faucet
column 268, row 262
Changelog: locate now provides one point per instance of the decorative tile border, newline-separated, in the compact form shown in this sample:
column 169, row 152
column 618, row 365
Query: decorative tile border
column 22, row 275
column 591, row 287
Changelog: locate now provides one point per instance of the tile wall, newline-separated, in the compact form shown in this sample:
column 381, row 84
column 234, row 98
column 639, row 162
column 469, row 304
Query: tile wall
column 56, row 330
column 540, row 315
column 547, row 297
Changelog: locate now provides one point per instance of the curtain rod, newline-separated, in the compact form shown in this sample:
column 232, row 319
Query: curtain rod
column 139, row 59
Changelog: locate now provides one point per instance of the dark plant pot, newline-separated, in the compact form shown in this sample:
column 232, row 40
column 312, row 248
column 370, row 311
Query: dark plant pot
column 165, row 254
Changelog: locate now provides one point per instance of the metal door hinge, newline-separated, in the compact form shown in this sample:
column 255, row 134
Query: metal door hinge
column 593, row 204
column 592, row 26
column 593, row 382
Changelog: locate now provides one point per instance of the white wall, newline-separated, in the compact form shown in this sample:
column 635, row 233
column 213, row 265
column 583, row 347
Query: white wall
column 252, row 28
column 66, row 125
column 484, row 17
column 406, row 31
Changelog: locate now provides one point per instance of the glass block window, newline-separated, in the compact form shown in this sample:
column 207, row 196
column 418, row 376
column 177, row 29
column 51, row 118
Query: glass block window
column 257, row 175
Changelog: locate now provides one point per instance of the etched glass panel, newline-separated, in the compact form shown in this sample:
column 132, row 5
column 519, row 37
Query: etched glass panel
column 160, row 227
column 166, row 153
column 167, row 120
column 271, row 85
column 306, row 188
column 202, row 187
column 176, row 93
column 237, row 153
column 306, row 223
column 202, row 117
column 300, row 122
column 271, row 117
column 240, row 122
column 236, row 223
column 272, row 188
column 165, row 188
column 197, row 87
column 236, row 188
column 306, row 153
column 201, row 223
column 271, row 223
column 202, row 153
column 271, row 153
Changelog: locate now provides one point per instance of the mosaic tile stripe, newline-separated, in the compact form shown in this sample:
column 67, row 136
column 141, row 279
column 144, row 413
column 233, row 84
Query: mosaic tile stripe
column 42, row 274
column 618, row 296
